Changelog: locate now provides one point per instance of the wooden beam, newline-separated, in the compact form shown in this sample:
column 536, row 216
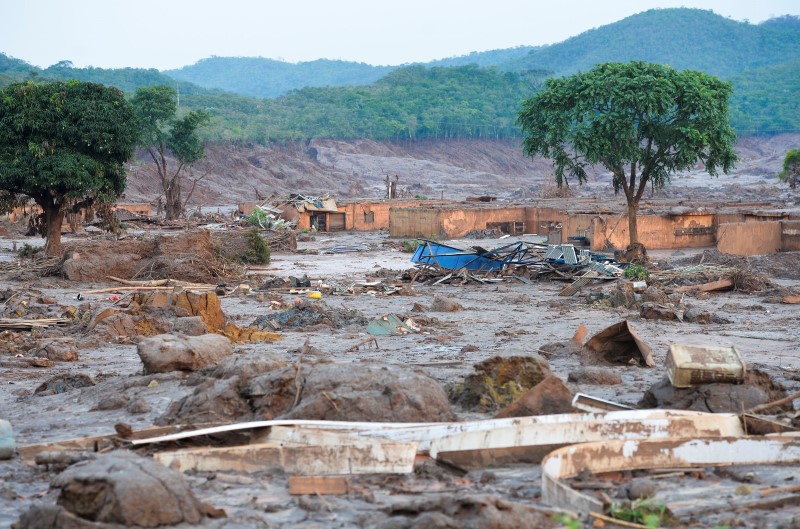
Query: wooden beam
column 317, row 485
column 722, row 284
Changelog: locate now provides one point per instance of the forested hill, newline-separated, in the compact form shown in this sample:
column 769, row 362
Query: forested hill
column 682, row 38
column 259, row 77
column 474, row 100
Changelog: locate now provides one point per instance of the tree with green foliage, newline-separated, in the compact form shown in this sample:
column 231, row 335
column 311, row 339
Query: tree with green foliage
column 63, row 144
column 162, row 133
column 641, row 121
column 791, row 168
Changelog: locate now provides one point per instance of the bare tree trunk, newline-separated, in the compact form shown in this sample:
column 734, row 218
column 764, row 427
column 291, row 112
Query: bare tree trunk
column 633, row 230
column 54, row 217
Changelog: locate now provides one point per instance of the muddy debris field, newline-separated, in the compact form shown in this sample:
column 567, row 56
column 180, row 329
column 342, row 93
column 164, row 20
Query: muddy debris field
column 152, row 381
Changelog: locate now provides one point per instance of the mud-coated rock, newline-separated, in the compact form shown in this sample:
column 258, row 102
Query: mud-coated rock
column 211, row 401
column 714, row 398
column 548, row 397
column 353, row 392
column 623, row 295
column 323, row 391
column 655, row 295
column 168, row 352
column 119, row 488
column 190, row 326
column 696, row 315
column 442, row 304
column 598, row 376
column 64, row 382
column 499, row 381
column 58, row 350
column 466, row 512
column 653, row 311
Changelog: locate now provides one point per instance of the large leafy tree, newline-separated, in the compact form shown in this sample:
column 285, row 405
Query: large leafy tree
column 641, row 121
column 791, row 168
column 162, row 133
column 63, row 144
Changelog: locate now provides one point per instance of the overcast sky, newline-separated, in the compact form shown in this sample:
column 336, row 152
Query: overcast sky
column 167, row 34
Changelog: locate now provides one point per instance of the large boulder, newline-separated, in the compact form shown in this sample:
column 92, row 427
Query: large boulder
column 351, row 392
column 322, row 391
column 170, row 352
column 117, row 488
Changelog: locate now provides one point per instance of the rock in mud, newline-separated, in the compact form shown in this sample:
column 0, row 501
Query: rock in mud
column 499, row 381
column 138, row 406
column 63, row 383
column 597, row 376
column 355, row 392
column 757, row 389
column 623, row 295
column 322, row 391
column 190, row 326
column 655, row 295
column 442, row 304
column 549, row 396
column 58, row 350
column 695, row 315
column 168, row 352
column 211, row 401
column 653, row 311
column 117, row 488
column 465, row 511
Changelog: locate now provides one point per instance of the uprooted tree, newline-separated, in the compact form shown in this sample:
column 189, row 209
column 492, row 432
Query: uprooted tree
column 641, row 121
column 63, row 144
column 162, row 133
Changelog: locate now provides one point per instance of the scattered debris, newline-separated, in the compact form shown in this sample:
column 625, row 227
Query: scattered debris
column 310, row 313
column 390, row 324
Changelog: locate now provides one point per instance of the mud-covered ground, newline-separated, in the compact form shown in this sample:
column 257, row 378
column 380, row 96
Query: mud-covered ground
column 506, row 319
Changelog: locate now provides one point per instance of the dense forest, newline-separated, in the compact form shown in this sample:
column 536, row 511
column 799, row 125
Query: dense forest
column 473, row 96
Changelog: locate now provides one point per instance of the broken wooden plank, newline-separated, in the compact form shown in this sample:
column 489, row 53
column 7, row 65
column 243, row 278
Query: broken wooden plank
column 361, row 456
column 530, row 441
column 592, row 404
column 97, row 443
column 625, row 455
column 722, row 284
column 317, row 485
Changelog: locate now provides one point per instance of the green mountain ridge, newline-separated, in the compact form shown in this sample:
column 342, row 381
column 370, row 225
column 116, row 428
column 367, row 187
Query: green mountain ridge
column 682, row 38
column 473, row 96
